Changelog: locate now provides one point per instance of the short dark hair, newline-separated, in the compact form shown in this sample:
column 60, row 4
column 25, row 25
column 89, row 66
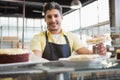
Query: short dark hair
column 52, row 5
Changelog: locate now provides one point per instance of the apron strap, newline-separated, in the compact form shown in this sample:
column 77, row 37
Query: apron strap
column 46, row 36
column 68, row 43
column 50, row 47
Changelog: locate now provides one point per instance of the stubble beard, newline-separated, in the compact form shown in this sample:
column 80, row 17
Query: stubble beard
column 54, row 30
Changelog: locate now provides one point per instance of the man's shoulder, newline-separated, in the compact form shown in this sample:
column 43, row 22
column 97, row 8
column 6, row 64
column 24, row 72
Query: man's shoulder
column 69, row 33
column 40, row 33
column 72, row 36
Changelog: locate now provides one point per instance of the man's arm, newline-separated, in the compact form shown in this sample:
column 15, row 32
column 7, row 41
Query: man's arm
column 101, row 50
column 84, row 50
column 37, row 53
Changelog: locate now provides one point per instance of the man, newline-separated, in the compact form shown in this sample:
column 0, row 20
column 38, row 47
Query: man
column 55, row 43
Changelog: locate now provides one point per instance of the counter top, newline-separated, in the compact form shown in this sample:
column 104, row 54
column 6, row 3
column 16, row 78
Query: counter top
column 56, row 67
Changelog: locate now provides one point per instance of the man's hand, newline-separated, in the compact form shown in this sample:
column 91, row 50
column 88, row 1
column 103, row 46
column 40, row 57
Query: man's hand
column 101, row 49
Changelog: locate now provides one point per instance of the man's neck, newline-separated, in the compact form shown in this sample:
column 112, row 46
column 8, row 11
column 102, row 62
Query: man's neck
column 56, row 31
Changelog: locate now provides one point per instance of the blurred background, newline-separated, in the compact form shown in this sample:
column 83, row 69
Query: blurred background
column 21, row 19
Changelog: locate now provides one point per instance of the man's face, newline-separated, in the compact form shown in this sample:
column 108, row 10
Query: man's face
column 53, row 19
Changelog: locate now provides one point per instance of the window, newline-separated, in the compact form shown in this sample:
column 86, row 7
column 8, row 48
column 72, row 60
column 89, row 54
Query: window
column 83, row 21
